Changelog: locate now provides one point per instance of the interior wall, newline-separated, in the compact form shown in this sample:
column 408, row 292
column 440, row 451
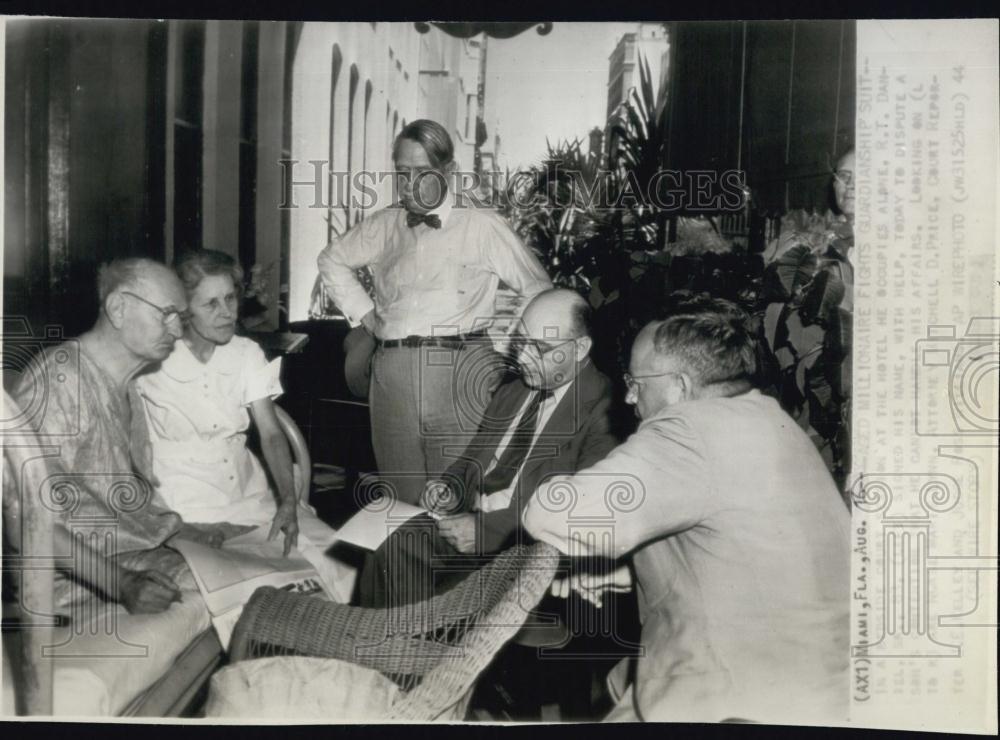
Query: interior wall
column 131, row 138
column 84, row 180
column 345, row 74
column 148, row 138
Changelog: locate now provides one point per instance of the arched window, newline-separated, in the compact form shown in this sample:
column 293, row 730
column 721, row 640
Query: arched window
column 188, row 93
column 351, row 159
column 333, row 197
column 367, row 125
column 246, row 220
column 392, row 129
column 388, row 130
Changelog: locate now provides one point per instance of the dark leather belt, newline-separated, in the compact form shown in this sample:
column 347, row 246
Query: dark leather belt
column 455, row 341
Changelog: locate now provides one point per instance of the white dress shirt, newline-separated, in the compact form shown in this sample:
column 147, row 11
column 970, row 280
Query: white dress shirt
column 430, row 281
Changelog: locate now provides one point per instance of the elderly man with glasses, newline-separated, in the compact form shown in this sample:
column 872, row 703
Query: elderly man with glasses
column 551, row 418
column 79, row 399
column 737, row 536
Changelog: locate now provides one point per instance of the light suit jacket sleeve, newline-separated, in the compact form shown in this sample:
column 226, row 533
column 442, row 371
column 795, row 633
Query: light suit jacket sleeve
column 652, row 485
column 595, row 441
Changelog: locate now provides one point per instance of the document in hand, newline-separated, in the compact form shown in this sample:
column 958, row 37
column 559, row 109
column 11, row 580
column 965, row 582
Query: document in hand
column 371, row 526
column 227, row 576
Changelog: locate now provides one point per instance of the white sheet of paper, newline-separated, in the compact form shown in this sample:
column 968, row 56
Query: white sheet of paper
column 371, row 526
column 228, row 576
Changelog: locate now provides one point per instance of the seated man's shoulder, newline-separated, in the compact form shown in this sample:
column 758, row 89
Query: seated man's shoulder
column 681, row 420
column 600, row 382
column 723, row 420
column 53, row 371
column 593, row 389
column 752, row 407
column 53, row 394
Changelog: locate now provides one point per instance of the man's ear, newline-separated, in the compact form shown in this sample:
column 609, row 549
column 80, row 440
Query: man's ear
column 583, row 347
column 114, row 308
column 687, row 385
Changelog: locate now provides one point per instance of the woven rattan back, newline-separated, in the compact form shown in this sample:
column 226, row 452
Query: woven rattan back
column 434, row 649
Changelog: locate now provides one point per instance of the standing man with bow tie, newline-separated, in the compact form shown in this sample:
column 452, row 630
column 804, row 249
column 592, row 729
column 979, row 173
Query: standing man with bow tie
column 437, row 263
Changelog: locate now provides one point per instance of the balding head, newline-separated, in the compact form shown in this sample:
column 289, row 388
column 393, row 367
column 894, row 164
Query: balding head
column 556, row 344
column 557, row 313
column 141, row 302
column 131, row 274
column 644, row 346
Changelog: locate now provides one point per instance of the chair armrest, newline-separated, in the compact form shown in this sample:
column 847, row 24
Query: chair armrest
column 300, row 453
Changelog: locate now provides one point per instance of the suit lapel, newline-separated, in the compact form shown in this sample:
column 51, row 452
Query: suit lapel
column 574, row 406
column 565, row 422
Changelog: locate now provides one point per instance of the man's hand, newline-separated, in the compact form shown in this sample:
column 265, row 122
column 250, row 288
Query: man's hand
column 368, row 321
column 146, row 591
column 286, row 520
column 592, row 587
column 438, row 498
column 459, row 531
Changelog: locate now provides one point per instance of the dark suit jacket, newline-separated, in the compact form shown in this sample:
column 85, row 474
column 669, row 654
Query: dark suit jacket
column 575, row 437
column 415, row 563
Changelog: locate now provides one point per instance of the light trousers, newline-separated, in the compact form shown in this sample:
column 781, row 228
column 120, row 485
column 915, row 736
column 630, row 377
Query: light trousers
column 426, row 405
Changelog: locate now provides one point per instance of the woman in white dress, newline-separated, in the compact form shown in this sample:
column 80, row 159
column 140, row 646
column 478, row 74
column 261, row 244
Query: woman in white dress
column 198, row 406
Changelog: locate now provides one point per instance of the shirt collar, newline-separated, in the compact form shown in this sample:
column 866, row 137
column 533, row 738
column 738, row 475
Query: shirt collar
column 558, row 393
column 442, row 211
column 753, row 394
column 555, row 395
column 183, row 366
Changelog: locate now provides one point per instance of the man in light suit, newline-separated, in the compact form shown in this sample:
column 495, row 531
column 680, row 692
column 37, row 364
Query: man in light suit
column 738, row 537
column 551, row 419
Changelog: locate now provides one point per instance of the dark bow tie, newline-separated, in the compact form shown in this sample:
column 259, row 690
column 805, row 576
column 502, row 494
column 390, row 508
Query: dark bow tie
column 412, row 219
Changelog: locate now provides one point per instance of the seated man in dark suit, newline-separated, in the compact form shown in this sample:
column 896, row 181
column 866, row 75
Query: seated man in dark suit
column 550, row 419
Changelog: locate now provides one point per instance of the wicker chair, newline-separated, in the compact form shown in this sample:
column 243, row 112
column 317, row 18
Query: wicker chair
column 177, row 690
column 433, row 651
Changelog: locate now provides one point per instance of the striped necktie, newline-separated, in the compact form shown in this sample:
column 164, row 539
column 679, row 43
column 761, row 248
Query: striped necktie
column 513, row 457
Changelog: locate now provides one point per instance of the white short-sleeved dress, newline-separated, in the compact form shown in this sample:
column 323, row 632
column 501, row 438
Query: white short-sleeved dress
column 198, row 417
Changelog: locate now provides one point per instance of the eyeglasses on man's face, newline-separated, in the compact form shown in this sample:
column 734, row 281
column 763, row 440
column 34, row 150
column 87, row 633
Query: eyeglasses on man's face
column 844, row 177
column 632, row 381
column 519, row 343
column 167, row 314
